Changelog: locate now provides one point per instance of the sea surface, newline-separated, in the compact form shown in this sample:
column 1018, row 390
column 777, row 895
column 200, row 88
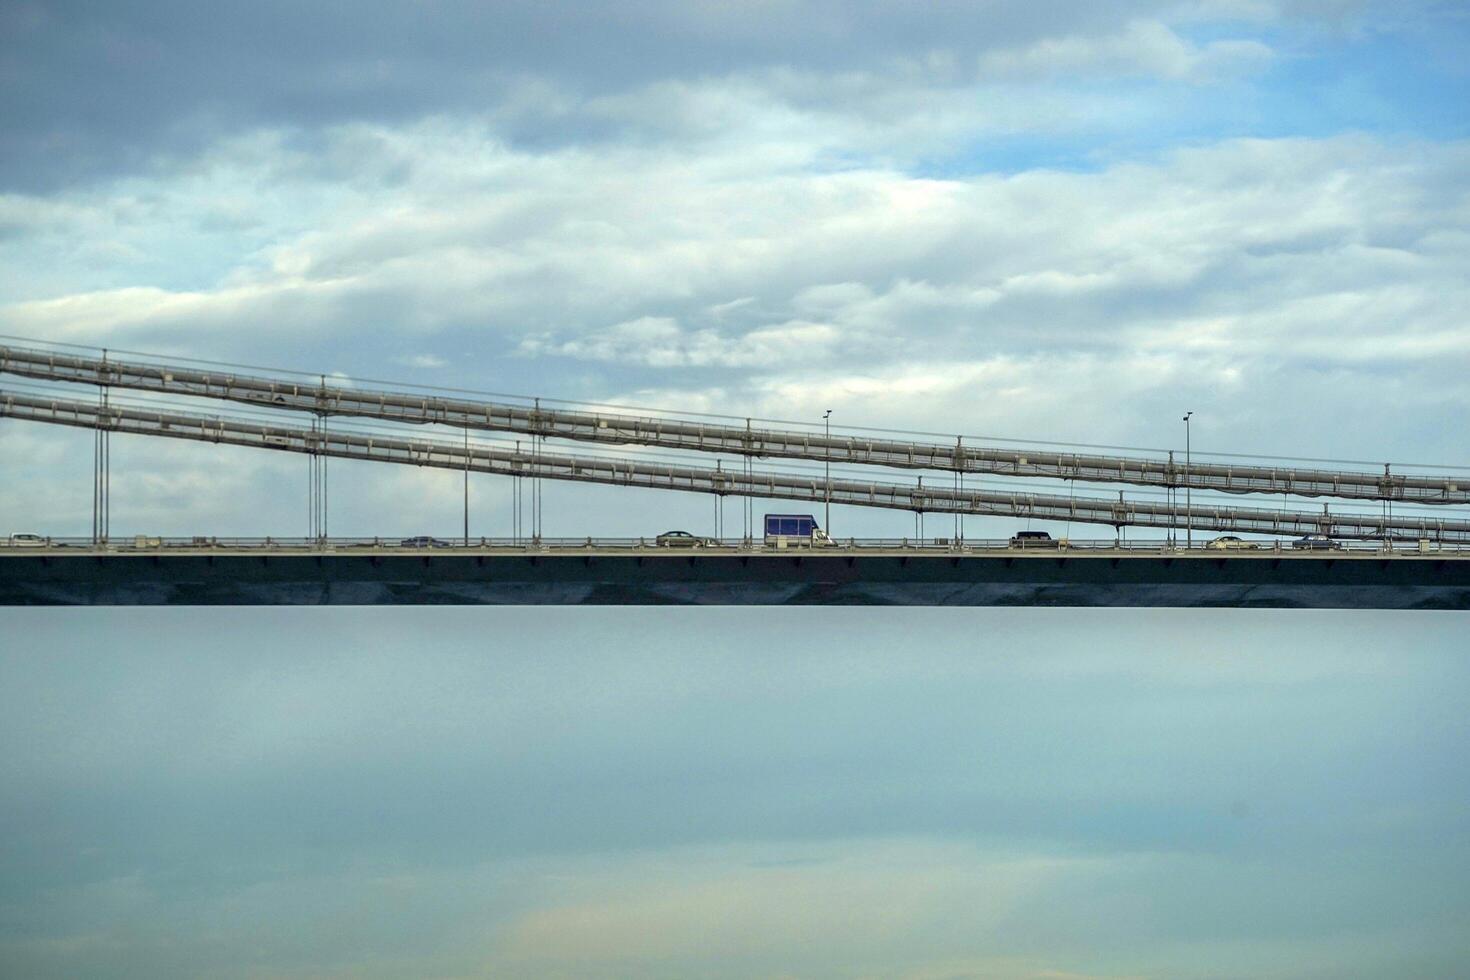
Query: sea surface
column 670, row 792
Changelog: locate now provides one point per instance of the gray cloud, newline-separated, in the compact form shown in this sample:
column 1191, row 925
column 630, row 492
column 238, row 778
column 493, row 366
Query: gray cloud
column 95, row 90
column 1246, row 274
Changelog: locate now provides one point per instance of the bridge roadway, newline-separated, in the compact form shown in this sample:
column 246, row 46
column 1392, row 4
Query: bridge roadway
column 207, row 571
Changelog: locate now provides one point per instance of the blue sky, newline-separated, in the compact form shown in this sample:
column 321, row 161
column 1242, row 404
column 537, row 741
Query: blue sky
column 1061, row 220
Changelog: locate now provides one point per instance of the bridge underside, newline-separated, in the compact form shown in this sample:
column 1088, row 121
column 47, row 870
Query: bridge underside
column 1305, row 581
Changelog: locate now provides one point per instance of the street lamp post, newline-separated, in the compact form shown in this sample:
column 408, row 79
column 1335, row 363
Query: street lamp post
column 827, row 505
column 1188, row 496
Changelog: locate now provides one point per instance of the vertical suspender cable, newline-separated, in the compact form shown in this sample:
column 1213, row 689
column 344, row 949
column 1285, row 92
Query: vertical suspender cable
column 325, row 498
column 535, row 478
column 957, row 467
column 466, row 485
column 323, row 458
column 311, row 476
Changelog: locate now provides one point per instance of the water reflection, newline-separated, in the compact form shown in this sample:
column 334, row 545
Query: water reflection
column 724, row 792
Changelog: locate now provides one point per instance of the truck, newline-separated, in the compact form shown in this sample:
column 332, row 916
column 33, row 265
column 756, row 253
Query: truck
column 794, row 531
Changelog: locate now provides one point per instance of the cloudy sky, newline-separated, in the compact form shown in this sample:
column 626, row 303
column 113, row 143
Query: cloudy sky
column 1054, row 220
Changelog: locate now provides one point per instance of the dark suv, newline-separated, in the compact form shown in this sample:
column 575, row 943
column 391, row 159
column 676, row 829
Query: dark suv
column 423, row 541
column 1316, row 542
column 1033, row 539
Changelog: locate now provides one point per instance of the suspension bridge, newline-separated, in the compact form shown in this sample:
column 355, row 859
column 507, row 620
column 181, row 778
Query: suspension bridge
column 1363, row 552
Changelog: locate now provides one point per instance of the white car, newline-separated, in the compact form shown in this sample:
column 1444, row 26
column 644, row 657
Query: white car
column 1229, row 542
column 27, row 541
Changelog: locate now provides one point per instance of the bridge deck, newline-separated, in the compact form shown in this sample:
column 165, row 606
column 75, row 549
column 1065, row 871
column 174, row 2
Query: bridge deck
column 150, row 572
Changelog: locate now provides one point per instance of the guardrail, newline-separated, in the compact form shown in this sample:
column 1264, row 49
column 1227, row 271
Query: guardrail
column 18, row 544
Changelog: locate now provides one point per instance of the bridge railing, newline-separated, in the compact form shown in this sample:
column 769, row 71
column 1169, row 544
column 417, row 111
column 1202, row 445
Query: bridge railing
column 151, row 544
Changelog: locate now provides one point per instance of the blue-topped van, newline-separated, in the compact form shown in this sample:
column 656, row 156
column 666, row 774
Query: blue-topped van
column 788, row 530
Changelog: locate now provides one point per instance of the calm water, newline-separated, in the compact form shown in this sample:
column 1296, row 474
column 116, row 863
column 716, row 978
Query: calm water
column 676, row 792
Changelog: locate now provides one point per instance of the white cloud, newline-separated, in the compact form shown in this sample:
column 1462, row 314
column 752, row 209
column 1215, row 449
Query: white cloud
column 1246, row 277
column 1142, row 48
column 426, row 361
column 661, row 343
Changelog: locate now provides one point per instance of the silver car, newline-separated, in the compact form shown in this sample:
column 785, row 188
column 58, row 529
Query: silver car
column 1229, row 542
column 683, row 539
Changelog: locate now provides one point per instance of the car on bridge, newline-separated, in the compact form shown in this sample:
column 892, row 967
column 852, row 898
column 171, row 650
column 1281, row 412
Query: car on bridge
column 683, row 539
column 423, row 541
column 795, row 530
column 1316, row 542
column 27, row 541
column 1229, row 542
column 1034, row 539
